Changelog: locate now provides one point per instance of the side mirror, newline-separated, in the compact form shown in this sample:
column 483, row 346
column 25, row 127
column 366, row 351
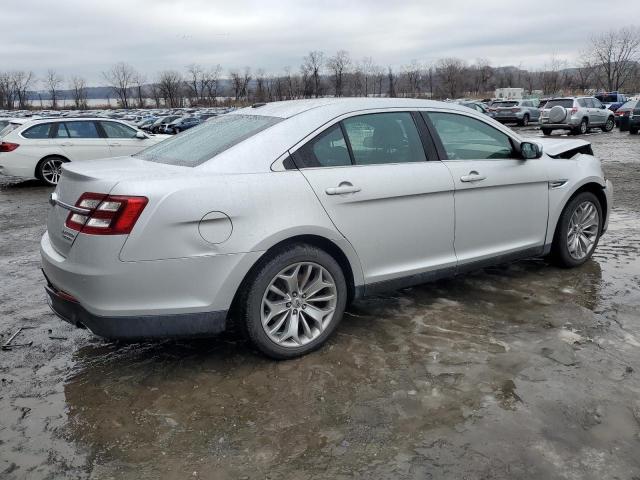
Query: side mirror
column 141, row 135
column 530, row 150
column 602, row 106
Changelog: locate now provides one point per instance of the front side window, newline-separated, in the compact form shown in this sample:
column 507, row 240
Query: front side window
column 117, row 130
column 596, row 103
column 465, row 138
column 384, row 138
column 79, row 130
column 201, row 143
column 328, row 149
column 37, row 132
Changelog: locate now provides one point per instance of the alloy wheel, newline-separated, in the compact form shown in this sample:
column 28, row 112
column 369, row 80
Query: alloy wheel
column 298, row 304
column 51, row 171
column 582, row 232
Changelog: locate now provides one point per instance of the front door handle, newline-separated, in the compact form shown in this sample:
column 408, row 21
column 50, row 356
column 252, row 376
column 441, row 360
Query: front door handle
column 115, row 144
column 344, row 187
column 472, row 177
column 66, row 144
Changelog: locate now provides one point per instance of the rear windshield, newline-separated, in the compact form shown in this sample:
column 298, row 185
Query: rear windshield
column 8, row 129
column 201, row 143
column 566, row 103
column 607, row 98
column 631, row 104
column 504, row 104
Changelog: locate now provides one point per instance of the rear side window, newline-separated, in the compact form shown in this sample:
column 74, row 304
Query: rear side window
column 38, row 131
column 78, row 130
column 563, row 102
column 465, row 138
column 329, row 149
column 384, row 138
column 628, row 105
column 199, row 144
column 582, row 102
column 117, row 130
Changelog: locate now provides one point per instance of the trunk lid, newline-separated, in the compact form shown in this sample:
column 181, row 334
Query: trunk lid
column 99, row 176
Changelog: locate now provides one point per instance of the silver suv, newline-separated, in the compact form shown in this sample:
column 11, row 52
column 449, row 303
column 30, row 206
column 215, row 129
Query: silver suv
column 576, row 114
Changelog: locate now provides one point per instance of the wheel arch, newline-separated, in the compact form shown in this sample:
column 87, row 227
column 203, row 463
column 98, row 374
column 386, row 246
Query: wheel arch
column 46, row 157
column 352, row 277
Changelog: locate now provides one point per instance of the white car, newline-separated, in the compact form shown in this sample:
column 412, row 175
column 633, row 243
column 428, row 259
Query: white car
column 38, row 148
column 277, row 215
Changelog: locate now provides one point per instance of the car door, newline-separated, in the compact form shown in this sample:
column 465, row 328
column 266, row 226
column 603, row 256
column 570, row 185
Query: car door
column 599, row 113
column 394, row 205
column 121, row 138
column 80, row 140
column 501, row 200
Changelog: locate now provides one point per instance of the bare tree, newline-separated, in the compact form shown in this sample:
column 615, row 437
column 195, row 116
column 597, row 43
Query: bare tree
column 170, row 88
column 450, row 72
column 585, row 73
column 53, row 81
column 339, row 65
column 393, row 80
column 20, row 83
column 121, row 78
column 616, row 54
column 261, row 86
column 313, row 63
column 367, row 72
column 78, row 89
column 413, row 76
column 550, row 77
column 240, row 83
column 138, row 85
column 211, row 84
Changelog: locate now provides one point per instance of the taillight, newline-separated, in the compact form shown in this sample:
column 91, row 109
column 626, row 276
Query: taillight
column 8, row 147
column 574, row 110
column 515, row 110
column 106, row 214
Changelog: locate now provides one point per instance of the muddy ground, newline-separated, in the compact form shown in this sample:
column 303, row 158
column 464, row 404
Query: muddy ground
column 518, row 372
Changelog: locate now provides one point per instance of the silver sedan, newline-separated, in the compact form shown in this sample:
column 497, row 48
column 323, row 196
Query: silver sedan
column 276, row 216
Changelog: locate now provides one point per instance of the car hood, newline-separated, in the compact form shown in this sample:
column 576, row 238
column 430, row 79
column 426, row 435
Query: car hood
column 554, row 147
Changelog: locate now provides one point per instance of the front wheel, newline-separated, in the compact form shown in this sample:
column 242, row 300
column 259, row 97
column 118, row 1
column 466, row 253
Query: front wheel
column 294, row 302
column 609, row 125
column 578, row 231
column 49, row 170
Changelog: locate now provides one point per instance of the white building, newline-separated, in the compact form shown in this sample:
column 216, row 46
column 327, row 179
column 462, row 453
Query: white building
column 509, row 93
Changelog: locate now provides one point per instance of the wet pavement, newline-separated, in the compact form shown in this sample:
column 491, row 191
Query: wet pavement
column 523, row 371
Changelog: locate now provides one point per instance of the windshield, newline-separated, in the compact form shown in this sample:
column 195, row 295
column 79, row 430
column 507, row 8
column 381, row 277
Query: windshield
column 563, row 102
column 201, row 143
column 504, row 104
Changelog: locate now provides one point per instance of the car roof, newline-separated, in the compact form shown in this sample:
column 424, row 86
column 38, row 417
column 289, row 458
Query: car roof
column 72, row 119
column 290, row 108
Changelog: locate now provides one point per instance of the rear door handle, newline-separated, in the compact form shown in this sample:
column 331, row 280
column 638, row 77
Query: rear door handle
column 472, row 177
column 115, row 144
column 344, row 187
column 66, row 144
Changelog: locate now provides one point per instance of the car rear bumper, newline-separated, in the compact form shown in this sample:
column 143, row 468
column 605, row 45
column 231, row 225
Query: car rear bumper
column 135, row 327
column 14, row 165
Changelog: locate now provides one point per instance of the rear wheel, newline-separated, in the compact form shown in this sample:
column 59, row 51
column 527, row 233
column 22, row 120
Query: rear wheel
column 582, row 129
column 525, row 121
column 294, row 302
column 607, row 127
column 578, row 231
column 546, row 131
column 633, row 131
column 49, row 170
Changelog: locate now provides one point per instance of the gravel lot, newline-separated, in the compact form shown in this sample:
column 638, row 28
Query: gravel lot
column 518, row 372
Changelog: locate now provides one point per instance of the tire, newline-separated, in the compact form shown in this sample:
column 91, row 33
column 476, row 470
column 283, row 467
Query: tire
column 608, row 126
column 582, row 129
column 525, row 121
column 176, row 130
column 546, row 131
column 254, row 303
column 633, row 131
column 48, row 170
column 561, row 251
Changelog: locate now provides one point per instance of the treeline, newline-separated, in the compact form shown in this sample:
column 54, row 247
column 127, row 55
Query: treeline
column 611, row 62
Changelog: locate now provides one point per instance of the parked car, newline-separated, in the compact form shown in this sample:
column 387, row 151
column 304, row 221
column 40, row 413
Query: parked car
column 37, row 149
column 576, row 114
column 4, row 122
column 12, row 125
column 146, row 123
column 634, row 119
column 479, row 107
column 161, row 123
column 623, row 114
column 283, row 213
column 612, row 100
column 182, row 124
column 515, row 111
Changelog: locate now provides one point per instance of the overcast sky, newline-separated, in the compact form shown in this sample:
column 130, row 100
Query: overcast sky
column 85, row 37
